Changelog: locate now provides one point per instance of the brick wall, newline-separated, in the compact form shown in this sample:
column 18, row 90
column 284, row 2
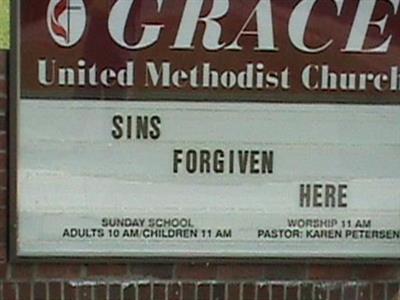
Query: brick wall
column 183, row 281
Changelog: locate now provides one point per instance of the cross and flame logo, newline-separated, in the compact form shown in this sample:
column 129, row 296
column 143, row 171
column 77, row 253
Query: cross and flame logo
column 66, row 21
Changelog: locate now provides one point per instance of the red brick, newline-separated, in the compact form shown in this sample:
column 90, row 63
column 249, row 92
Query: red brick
column 378, row 291
column 3, row 197
column 3, row 88
column 100, row 292
column 321, row 292
column 306, row 291
column 54, row 291
column 144, row 292
column 4, row 95
column 218, row 292
column 393, row 291
column 174, row 291
column 9, row 291
column 277, row 292
column 330, row 272
column 240, row 271
column 3, row 61
column 3, row 253
column 85, row 293
column 285, row 272
column 3, row 162
column 292, row 292
column 3, row 123
column 3, row 176
column 54, row 271
column 159, row 291
column 203, row 292
column 249, row 291
column 349, row 292
column 129, row 292
column 39, row 291
column 196, row 271
column 263, row 292
column 364, row 292
column 234, row 291
column 335, row 292
column 3, row 225
column 188, row 290
column 3, row 141
column 4, row 64
column 70, row 292
column 156, row 271
column 106, row 270
column 25, row 291
column 114, row 292
column 21, row 271
column 376, row 272
column 3, row 270
column 3, row 103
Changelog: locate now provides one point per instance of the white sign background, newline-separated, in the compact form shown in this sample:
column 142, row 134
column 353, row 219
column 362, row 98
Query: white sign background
column 72, row 173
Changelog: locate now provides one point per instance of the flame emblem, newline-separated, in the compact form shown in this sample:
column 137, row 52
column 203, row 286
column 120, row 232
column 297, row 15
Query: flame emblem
column 66, row 21
column 56, row 26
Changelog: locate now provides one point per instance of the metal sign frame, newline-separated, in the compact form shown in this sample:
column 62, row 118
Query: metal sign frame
column 14, row 72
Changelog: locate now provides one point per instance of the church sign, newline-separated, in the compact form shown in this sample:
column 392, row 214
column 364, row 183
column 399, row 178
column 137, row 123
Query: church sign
column 206, row 128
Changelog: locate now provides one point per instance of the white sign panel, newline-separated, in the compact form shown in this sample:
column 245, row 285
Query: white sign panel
column 193, row 179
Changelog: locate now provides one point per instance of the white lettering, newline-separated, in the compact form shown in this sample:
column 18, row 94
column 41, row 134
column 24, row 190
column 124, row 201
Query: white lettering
column 264, row 32
column 118, row 20
column 191, row 18
column 298, row 24
column 362, row 22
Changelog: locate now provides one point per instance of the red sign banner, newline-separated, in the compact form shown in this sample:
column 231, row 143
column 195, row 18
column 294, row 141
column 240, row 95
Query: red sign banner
column 341, row 51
